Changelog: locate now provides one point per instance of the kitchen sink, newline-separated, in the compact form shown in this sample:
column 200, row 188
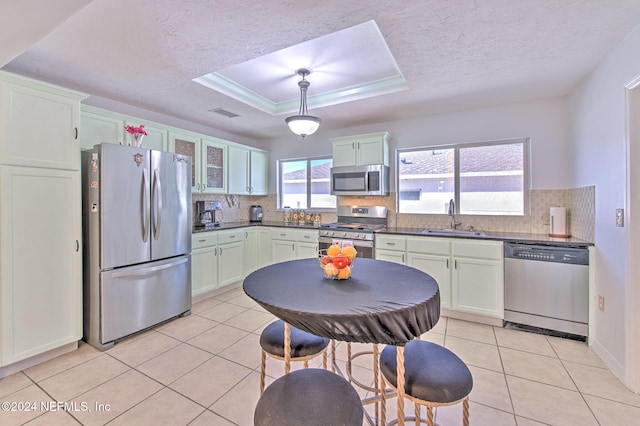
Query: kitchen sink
column 453, row 232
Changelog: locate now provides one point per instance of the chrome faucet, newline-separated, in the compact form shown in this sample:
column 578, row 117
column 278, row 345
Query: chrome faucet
column 452, row 213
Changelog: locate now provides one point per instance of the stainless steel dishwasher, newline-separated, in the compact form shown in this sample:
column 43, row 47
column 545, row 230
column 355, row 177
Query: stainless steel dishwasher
column 547, row 287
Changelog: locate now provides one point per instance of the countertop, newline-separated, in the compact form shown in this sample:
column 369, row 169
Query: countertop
column 489, row 235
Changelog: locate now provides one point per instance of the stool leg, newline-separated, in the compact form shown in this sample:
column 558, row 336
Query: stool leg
column 400, row 379
column 417, row 414
column 383, row 401
column 429, row 416
column 324, row 359
column 375, row 373
column 263, row 367
column 465, row 412
column 349, row 360
column 333, row 356
column 306, row 364
column 287, row 348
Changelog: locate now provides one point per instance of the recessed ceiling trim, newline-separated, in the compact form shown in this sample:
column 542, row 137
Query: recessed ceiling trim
column 220, row 83
column 347, row 94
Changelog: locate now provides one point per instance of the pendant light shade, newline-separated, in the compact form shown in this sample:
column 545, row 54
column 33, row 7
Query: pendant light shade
column 303, row 124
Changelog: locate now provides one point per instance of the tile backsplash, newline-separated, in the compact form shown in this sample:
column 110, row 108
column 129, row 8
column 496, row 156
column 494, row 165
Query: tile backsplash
column 580, row 204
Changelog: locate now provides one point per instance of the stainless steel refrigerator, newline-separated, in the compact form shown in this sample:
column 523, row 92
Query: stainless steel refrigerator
column 136, row 206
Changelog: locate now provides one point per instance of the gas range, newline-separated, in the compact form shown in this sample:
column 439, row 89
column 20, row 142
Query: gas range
column 356, row 223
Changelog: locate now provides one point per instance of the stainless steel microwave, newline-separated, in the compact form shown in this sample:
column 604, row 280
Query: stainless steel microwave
column 360, row 180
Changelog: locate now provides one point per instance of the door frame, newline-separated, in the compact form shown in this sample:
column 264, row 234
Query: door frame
column 632, row 235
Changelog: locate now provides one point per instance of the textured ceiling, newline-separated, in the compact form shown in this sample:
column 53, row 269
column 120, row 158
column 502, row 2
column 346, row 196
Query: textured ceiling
column 454, row 54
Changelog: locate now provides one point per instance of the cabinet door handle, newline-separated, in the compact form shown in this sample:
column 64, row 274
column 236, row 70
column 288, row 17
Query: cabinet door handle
column 76, row 129
column 353, row 145
column 447, row 263
column 220, row 251
column 455, row 264
column 77, row 246
column 391, row 244
column 402, row 257
column 307, row 236
column 293, row 246
column 232, row 236
column 201, row 241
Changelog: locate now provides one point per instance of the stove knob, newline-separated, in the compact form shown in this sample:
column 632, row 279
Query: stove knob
column 344, row 234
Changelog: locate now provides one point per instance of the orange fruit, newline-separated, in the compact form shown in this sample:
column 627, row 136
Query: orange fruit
column 330, row 270
column 344, row 273
column 333, row 250
column 350, row 252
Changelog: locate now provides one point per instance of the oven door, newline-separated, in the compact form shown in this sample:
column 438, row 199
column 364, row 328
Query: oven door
column 364, row 248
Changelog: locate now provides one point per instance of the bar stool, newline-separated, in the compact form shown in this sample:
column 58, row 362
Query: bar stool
column 304, row 346
column 309, row 397
column 433, row 376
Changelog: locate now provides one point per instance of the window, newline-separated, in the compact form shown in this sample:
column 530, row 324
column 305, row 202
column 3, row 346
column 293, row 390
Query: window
column 305, row 183
column 484, row 179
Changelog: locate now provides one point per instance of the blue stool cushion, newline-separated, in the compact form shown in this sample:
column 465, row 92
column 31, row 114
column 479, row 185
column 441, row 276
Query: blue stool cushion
column 432, row 373
column 302, row 343
column 309, row 397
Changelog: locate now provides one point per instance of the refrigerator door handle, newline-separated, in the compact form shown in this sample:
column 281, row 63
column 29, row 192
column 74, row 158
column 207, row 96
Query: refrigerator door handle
column 145, row 207
column 157, row 214
column 146, row 271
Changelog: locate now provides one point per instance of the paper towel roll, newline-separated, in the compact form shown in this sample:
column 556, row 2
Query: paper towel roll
column 558, row 222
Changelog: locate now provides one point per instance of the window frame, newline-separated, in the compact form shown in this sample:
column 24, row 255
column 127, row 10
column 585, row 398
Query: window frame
column 308, row 160
column 526, row 146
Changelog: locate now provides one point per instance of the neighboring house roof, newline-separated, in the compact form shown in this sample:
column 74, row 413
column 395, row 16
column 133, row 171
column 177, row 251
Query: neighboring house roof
column 317, row 172
column 483, row 158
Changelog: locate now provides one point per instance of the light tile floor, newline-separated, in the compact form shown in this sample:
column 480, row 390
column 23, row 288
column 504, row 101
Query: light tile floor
column 204, row 370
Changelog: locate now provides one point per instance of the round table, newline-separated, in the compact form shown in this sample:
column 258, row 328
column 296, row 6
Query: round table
column 382, row 302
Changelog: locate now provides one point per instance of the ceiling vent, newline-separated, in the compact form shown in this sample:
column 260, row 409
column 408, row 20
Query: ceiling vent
column 224, row 112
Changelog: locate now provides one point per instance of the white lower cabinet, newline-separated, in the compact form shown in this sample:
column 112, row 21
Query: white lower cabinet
column 217, row 259
column 469, row 273
column 283, row 245
column 41, row 262
column 204, row 263
column 289, row 244
column 306, row 244
column 391, row 248
column 477, row 284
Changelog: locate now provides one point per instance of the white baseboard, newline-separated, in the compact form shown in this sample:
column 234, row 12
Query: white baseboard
column 616, row 367
column 10, row 369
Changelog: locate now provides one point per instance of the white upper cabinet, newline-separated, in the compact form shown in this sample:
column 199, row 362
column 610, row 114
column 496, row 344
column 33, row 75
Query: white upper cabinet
column 98, row 126
column 214, row 167
column 359, row 150
column 259, row 172
column 190, row 145
column 157, row 137
column 218, row 166
column 248, row 171
column 96, row 129
column 39, row 124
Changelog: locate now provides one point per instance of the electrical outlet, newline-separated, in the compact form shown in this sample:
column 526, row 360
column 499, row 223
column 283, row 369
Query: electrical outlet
column 601, row 303
column 620, row 217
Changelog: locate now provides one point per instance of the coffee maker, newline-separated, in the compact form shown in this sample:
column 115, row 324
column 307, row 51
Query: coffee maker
column 208, row 217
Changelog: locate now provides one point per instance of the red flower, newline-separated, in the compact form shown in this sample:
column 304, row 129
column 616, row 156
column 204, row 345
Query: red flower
column 136, row 130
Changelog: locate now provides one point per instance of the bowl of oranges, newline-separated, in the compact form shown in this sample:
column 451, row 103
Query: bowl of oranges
column 337, row 262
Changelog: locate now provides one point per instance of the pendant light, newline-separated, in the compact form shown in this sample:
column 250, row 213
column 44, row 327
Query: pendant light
column 303, row 124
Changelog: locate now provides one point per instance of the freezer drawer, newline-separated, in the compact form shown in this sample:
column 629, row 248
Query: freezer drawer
column 138, row 297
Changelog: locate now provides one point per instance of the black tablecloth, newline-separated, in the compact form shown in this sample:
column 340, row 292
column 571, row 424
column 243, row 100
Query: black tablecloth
column 382, row 302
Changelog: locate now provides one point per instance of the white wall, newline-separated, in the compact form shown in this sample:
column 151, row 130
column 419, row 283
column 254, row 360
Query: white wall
column 544, row 121
column 597, row 132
